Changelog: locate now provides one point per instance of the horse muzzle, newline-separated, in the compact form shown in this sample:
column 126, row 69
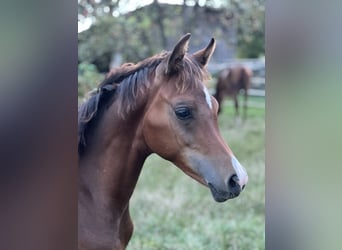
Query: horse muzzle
column 226, row 178
column 234, row 188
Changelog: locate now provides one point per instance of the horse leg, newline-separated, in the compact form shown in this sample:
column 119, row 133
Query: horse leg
column 245, row 105
column 236, row 104
column 218, row 97
column 219, row 103
column 237, row 113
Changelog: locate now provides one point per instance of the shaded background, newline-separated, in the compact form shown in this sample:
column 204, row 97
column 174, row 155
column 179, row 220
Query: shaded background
column 303, row 125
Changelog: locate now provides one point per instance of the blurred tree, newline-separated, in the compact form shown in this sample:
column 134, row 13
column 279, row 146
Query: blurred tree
column 136, row 34
column 250, row 17
column 88, row 78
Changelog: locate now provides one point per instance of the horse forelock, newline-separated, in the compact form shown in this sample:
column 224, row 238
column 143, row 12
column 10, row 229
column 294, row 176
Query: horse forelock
column 127, row 83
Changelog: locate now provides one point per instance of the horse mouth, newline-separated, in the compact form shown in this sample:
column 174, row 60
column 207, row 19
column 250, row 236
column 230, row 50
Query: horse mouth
column 221, row 196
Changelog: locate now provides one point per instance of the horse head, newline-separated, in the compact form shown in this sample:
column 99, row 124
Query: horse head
column 180, row 122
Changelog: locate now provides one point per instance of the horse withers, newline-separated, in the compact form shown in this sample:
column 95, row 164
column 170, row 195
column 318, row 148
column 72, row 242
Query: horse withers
column 230, row 82
column 159, row 105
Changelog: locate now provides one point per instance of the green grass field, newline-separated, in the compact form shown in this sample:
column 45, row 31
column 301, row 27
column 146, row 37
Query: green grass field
column 172, row 211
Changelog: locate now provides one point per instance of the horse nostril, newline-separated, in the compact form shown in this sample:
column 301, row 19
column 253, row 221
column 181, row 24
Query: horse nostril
column 233, row 181
column 233, row 185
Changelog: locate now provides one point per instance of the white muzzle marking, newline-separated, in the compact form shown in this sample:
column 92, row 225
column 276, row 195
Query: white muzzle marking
column 240, row 172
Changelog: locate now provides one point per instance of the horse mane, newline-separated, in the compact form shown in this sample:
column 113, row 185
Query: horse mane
column 126, row 83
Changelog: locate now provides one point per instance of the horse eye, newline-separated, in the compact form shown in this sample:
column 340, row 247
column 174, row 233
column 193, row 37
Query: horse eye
column 183, row 113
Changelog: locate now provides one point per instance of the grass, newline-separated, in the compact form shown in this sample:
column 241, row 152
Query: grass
column 172, row 211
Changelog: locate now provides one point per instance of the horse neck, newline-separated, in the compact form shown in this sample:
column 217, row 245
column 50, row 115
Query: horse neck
column 111, row 168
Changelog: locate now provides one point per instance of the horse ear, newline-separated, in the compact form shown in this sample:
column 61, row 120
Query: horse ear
column 203, row 56
column 177, row 54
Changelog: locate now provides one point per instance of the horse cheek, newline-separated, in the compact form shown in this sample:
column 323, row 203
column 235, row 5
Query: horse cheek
column 157, row 134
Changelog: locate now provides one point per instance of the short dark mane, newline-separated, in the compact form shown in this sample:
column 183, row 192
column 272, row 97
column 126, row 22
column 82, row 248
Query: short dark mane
column 126, row 83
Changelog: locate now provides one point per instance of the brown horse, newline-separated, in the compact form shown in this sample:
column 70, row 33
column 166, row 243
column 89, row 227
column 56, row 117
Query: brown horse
column 230, row 82
column 161, row 106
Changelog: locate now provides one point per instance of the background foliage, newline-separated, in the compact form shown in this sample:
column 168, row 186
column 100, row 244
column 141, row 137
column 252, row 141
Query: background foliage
column 121, row 31
column 88, row 76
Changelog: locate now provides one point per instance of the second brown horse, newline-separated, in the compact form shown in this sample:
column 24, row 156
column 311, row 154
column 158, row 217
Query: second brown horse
column 230, row 82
